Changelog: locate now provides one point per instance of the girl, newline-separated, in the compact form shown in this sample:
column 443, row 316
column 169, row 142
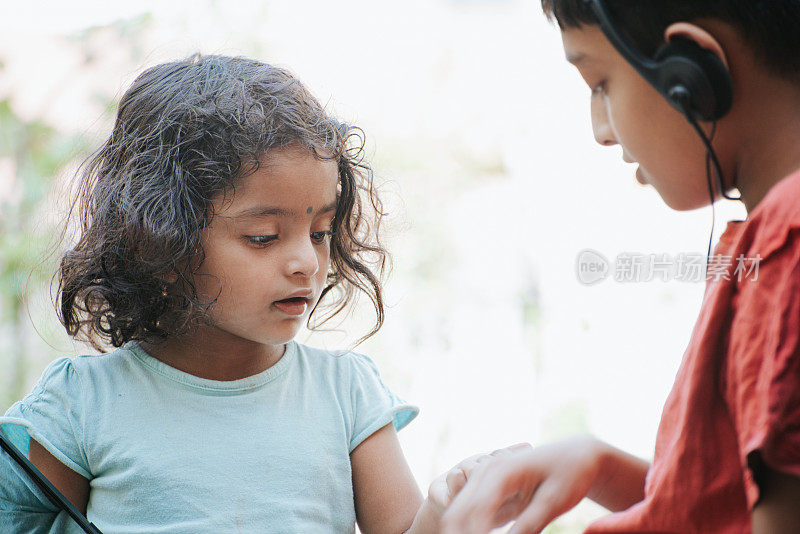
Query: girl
column 225, row 209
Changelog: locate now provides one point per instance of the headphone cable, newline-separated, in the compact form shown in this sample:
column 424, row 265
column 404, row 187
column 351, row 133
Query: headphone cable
column 711, row 157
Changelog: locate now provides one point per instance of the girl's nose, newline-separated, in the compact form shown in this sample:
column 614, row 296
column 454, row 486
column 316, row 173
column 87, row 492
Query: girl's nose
column 601, row 127
column 303, row 259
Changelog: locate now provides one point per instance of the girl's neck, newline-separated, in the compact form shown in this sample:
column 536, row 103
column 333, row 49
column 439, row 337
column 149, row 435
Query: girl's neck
column 213, row 358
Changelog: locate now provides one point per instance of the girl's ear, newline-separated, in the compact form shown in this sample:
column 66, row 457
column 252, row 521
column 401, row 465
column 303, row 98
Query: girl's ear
column 697, row 34
column 168, row 277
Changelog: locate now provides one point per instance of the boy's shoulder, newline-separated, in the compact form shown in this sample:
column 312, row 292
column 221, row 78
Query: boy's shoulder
column 776, row 217
column 783, row 196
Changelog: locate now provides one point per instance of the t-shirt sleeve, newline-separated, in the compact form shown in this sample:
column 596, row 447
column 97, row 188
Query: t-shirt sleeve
column 373, row 403
column 764, row 365
column 50, row 414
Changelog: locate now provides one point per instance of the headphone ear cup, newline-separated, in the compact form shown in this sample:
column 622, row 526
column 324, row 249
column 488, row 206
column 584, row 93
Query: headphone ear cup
column 683, row 62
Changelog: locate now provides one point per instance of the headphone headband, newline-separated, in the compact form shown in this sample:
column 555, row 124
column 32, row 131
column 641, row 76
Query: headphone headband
column 692, row 79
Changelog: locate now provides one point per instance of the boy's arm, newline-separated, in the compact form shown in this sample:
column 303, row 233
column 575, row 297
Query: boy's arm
column 777, row 511
column 386, row 495
column 620, row 481
column 536, row 486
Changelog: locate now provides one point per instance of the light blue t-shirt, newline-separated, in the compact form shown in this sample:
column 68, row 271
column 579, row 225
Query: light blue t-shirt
column 168, row 452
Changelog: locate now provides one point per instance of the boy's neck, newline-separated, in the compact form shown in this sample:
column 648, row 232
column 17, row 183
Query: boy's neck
column 771, row 150
column 765, row 123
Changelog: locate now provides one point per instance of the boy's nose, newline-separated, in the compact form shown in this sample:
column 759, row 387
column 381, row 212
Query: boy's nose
column 601, row 127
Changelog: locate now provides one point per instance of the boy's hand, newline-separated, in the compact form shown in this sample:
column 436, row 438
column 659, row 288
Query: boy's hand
column 444, row 488
column 533, row 485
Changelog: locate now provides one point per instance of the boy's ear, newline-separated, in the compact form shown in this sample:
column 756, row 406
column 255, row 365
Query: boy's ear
column 692, row 32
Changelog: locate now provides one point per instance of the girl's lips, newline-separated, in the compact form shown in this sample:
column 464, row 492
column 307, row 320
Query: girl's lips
column 292, row 306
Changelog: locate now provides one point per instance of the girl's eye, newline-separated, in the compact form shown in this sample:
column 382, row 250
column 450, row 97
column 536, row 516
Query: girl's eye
column 261, row 240
column 321, row 237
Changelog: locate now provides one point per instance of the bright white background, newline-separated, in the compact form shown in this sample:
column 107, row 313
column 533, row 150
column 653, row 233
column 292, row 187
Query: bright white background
column 479, row 134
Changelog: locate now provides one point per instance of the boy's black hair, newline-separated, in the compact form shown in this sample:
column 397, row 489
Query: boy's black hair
column 771, row 28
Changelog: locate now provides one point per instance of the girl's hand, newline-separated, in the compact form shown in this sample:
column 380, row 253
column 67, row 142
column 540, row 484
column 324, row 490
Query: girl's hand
column 537, row 485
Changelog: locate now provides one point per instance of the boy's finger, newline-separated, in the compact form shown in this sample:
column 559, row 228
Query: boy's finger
column 510, row 450
column 475, row 508
column 545, row 506
column 466, row 514
column 458, row 476
column 470, row 464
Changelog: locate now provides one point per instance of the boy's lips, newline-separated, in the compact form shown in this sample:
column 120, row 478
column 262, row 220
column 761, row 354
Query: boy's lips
column 640, row 176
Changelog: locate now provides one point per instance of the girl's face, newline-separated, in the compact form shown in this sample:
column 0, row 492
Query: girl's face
column 267, row 251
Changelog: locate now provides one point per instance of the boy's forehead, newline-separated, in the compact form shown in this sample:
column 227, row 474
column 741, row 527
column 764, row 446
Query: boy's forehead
column 586, row 43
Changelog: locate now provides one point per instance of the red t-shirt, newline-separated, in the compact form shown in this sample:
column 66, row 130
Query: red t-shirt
column 736, row 398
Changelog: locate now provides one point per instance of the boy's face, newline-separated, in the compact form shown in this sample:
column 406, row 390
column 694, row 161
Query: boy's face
column 627, row 111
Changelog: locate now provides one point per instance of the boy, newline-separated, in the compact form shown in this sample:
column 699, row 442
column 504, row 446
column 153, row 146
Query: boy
column 727, row 455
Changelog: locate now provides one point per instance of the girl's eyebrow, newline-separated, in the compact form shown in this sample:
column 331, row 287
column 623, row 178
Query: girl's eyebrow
column 258, row 212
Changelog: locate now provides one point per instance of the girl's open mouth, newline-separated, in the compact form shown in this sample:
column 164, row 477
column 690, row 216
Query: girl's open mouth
column 292, row 306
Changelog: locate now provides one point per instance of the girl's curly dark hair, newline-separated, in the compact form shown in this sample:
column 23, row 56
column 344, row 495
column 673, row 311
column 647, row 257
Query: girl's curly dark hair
column 185, row 132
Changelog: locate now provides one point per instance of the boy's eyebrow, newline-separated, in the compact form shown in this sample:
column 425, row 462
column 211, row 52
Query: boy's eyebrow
column 576, row 58
column 258, row 212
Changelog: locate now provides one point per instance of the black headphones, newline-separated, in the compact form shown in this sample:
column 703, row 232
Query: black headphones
column 687, row 75
column 692, row 79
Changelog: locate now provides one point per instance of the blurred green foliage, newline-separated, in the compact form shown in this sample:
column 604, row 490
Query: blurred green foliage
column 36, row 152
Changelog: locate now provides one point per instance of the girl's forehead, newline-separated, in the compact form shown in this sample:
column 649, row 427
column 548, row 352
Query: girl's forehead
column 286, row 185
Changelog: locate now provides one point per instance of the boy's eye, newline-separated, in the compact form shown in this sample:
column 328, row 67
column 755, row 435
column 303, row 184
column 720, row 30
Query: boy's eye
column 261, row 240
column 321, row 237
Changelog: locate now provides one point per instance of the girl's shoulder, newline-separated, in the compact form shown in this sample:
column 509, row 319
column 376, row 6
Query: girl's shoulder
column 343, row 363
column 69, row 380
column 55, row 412
column 368, row 400
column 89, row 368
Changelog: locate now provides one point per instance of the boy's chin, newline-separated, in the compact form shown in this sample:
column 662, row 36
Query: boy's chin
column 686, row 207
column 680, row 202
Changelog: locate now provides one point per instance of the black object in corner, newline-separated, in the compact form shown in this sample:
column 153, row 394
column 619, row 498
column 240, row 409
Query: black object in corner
column 55, row 496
